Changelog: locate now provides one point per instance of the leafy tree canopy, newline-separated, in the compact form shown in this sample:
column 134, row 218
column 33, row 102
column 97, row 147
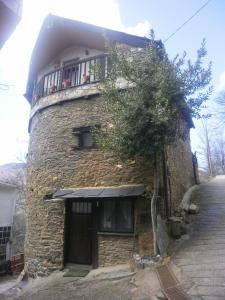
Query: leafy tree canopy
column 145, row 94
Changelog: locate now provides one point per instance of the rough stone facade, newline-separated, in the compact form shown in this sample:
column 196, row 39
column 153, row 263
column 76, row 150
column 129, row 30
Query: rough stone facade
column 180, row 167
column 54, row 163
column 115, row 249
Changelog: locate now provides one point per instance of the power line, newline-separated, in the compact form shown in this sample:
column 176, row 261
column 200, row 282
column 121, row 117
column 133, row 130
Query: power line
column 4, row 87
column 188, row 20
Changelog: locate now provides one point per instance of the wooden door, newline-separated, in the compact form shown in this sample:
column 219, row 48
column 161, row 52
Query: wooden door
column 79, row 236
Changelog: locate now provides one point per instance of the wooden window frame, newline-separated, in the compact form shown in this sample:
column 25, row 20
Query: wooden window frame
column 116, row 229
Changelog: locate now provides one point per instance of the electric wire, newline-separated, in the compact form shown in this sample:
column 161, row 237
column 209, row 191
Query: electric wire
column 187, row 21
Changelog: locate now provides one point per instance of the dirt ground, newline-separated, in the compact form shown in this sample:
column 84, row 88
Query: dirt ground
column 114, row 283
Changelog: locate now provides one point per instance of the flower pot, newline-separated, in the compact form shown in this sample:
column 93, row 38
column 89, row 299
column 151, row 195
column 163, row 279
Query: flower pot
column 66, row 83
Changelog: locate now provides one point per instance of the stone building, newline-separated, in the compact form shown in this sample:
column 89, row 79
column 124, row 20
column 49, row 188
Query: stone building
column 83, row 206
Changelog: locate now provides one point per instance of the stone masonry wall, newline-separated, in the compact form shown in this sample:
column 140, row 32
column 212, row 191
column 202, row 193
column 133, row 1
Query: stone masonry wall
column 115, row 249
column 118, row 249
column 54, row 164
column 179, row 159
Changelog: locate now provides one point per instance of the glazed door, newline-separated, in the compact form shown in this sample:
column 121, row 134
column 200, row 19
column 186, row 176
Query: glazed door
column 79, row 237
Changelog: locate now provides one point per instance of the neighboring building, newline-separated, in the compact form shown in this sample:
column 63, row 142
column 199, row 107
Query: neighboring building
column 12, row 214
column 84, row 206
column 10, row 16
column 7, row 208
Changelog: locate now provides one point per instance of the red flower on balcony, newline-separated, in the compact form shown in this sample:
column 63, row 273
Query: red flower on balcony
column 66, row 83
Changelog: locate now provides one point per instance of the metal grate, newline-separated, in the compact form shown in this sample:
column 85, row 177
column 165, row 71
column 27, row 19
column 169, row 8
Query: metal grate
column 166, row 278
column 82, row 207
column 4, row 234
column 169, row 284
column 175, row 293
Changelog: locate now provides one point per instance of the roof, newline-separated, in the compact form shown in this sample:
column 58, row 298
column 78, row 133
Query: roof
column 101, row 192
column 8, row 185
column 59, row 33
column 12, row 174
column 10, row 15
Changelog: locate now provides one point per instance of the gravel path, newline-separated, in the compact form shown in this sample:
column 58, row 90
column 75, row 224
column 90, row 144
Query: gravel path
column 202, row 257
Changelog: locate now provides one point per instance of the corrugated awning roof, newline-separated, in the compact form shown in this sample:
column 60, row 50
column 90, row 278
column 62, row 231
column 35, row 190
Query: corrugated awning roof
column 100, row 192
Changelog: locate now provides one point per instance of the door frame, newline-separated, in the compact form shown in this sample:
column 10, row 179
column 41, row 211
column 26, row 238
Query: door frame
column 94, row 237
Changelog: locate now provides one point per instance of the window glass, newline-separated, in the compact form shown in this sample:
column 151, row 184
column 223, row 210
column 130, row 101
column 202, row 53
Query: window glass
column 108, row 215
column 116, row 215
column 124, row 215
column 87, row 139
column 4, row 234
column 83, row 138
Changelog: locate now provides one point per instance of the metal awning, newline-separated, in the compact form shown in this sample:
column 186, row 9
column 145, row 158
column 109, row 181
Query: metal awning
column 100, row 192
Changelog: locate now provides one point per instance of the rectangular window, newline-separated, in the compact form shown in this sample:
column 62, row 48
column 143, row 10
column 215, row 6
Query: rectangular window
column 116, row 215
column 84, row 138
column 87, row 139
column 4, row 234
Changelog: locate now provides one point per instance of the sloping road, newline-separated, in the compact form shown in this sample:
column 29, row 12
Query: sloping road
column 202, row 257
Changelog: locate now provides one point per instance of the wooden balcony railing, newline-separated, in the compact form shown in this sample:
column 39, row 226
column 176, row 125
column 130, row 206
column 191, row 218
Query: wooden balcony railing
column 74, row 73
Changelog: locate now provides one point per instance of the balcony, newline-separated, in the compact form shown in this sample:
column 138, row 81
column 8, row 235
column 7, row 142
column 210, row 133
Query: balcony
column 74, row 73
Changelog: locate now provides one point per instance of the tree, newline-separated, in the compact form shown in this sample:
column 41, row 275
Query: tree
column 212, row 148
column 145, row 95
column 219, row 155
column 220, row 102
column 205, row 150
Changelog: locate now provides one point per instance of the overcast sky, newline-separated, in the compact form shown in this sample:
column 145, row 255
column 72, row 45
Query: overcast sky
column 132, row 16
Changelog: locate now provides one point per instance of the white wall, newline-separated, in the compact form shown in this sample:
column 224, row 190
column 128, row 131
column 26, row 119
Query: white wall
column 7, row 205
column 68, row 54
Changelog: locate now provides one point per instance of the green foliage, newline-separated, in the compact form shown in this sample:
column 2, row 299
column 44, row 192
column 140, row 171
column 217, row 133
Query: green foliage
column 195, row 80
column 145, row 94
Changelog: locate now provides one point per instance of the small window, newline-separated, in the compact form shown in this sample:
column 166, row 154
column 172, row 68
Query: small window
column 87, row 139
column 4, row 234
column 82, row 207
column 83, row 138
column 116, row 215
